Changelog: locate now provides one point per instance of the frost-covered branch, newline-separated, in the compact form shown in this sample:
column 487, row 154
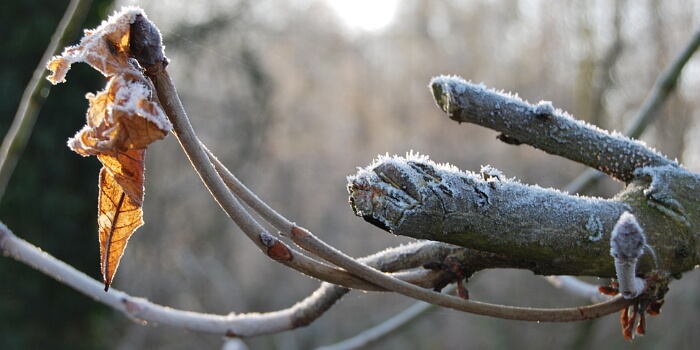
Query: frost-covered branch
column 181, row 127
column 242, row 325
column 543, row 230
column 543, row 127
column 554, row 232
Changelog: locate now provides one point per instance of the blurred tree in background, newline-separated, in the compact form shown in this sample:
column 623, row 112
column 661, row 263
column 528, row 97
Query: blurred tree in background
column 50, row 198
column 285, row 91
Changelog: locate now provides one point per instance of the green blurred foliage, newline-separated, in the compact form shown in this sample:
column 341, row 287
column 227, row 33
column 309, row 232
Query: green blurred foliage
column 51, row 199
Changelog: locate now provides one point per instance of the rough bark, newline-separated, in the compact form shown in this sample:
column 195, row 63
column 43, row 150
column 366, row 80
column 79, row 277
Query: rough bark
column 544, row 230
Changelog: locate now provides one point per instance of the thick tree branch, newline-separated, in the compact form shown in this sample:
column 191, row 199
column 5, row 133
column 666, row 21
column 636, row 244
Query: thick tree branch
column 543, row 127
column 551, row 231
column 182, row 129
column 543, row 230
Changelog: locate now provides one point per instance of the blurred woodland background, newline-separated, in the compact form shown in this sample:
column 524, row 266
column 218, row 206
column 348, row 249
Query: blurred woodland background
column 293, row 99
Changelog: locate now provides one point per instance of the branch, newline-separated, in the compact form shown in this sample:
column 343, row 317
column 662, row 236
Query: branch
column 32, row 99
column 575, row 286
column 543, row 230
column 139, row 309
column 275, row 249
column 242, row 325
column 182, row 129
column 556, row 234
column 664, row 85
column 184, row 132
column 543, row 127
column 384, row 329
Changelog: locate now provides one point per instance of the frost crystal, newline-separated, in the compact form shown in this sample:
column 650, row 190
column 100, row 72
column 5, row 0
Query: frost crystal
column 105, row 47
column 595, row 227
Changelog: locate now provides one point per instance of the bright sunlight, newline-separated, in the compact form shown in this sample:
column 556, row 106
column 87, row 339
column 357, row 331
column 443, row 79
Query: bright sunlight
column 366, row 15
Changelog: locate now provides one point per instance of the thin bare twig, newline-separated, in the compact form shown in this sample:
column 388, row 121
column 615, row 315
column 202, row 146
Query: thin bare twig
column 309, row 242
column 391, row 325
column 170, row 101
column 33, row 98
column 664, row 85
column 316, row 246
column 141, row 310
column 274, row 248
column 575, row 286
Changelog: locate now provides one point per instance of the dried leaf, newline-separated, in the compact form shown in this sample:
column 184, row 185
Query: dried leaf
column 122, row 121
column 120, row 118
column 106, row 48
column 119, row 206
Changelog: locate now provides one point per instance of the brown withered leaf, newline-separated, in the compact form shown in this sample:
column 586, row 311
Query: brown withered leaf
column 122, row 121
column 120, row 118
column 106, row 48
column 120, row 206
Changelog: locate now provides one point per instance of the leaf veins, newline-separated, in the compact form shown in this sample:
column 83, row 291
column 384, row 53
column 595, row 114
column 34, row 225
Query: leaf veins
column 121, row 122
column 120, row 206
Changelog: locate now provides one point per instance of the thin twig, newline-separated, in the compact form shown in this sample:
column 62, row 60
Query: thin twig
column 649, row 110
column 575, row 286
column 183, row 130
column 309, row 242
column 266, row 242
column 32, row 99
column 141, row 310
column 185, row 134
column 316, row 246
column 391, row 325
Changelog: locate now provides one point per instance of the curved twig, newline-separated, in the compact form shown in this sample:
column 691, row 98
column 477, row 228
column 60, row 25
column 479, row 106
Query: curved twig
column 309, row 242
column 183, row 130
column 274, row 248
column 316, row 246
column 139, row 309
column 243, row 325
column 18, row 135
